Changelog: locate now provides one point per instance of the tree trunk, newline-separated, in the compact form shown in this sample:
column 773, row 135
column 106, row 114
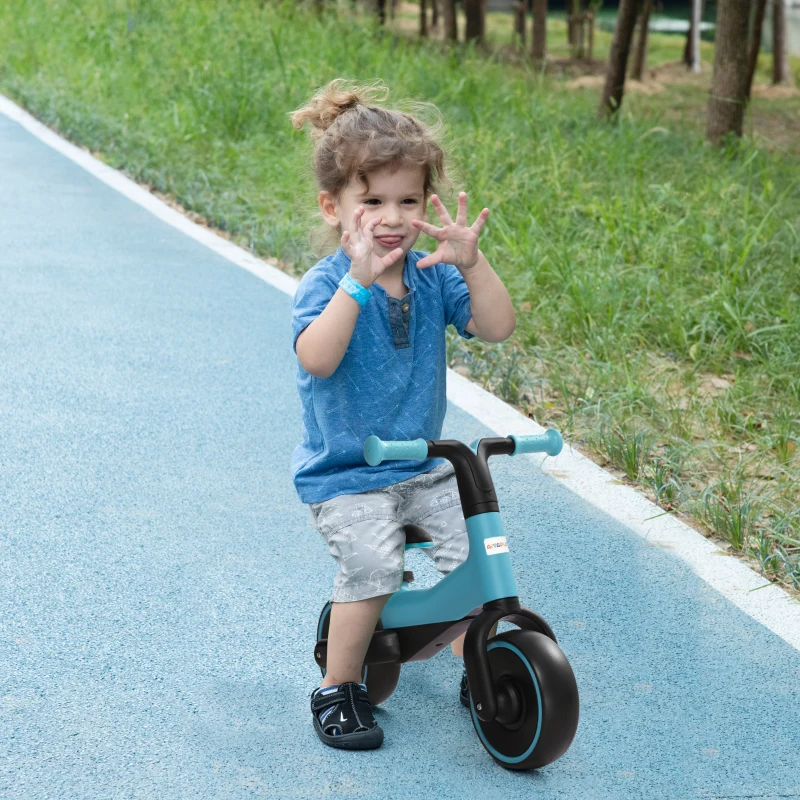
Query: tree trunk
column 640, row 56
column 381, row 5
column 780, row 44
column 618, row 59
column 691, row 34
column 590, row 22
column 450, row 20
column 435, row 20
column 573, row 22
column 519, row 20
column 570, row 23
column 755, row 43
column 731, row 68
column 423, row 18
column 475, row 12
column 539, row 30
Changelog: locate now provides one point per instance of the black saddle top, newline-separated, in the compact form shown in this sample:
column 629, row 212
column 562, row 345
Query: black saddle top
column 416, row 534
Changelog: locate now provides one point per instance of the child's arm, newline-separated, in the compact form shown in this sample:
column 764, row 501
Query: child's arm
column 321, row 346
column 493, row 318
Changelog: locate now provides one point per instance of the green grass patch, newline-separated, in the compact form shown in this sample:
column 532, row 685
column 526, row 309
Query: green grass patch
column 656, row 278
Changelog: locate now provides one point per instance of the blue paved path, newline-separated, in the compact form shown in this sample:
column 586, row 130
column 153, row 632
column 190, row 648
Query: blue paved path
column 160, row 582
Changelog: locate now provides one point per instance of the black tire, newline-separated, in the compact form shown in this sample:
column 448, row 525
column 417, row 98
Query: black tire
column 381, row 679
column 539, row 674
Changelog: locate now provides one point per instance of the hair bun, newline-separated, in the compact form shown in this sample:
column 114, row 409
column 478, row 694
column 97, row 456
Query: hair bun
column 330, row 102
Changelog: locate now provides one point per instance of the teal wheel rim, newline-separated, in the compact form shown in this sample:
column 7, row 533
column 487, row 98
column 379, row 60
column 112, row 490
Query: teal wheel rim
column 496, row 753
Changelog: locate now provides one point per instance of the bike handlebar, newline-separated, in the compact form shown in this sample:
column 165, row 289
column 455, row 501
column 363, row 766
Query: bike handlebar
column 549, row 442
column 376, row 450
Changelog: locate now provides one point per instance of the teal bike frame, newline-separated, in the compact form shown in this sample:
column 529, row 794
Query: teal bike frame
column 486, row 575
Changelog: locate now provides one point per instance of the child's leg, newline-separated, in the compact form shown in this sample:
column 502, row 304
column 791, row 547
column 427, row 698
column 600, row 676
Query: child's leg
column 367, row 545
column 351, row 628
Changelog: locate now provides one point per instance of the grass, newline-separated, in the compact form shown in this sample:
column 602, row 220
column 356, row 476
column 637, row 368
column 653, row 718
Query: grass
column 656, row 279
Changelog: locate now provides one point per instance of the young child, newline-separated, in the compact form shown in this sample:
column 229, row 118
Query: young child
column 369, row 334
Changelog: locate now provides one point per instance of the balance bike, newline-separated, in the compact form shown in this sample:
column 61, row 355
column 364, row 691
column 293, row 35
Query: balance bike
column 523, row 695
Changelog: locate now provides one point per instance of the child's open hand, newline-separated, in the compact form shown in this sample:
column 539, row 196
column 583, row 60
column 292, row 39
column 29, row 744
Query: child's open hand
column 458, row 244
column 366, row 265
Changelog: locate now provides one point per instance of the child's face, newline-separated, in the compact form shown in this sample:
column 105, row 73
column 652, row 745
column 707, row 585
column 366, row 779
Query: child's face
column 397, row 197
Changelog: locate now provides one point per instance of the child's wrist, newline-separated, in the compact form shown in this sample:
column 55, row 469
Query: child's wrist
column 359, row 277
column 478, row 258
column 353, row 286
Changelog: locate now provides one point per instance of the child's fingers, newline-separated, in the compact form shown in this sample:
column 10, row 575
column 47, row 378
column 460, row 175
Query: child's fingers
column 429, row 260
column 441, row 210
column 387, row 261
column 357, row 214
column 345, row 238
column 461, row 214
column 426, row 227
column 369, row 228
column 477, row 226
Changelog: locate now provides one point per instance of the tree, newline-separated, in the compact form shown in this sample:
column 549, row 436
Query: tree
column 728, row 95
column 780, row 44
column 519, row 20
column 640, row 56
column 590, row 36
column 618, row 59
column 423, row 18
column 691, row 51
column 475, row 12
column 755, row 43
column 450, row 20
column 539, row 30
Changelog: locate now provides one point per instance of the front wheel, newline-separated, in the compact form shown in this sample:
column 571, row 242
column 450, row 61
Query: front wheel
column 533, row 672
column 380, row 679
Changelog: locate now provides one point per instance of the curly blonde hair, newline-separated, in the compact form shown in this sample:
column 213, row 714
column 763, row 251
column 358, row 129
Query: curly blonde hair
column 353, row 136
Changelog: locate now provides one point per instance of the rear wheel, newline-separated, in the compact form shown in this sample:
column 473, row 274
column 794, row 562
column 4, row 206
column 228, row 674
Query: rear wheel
column 380, row 679
column 540, row 706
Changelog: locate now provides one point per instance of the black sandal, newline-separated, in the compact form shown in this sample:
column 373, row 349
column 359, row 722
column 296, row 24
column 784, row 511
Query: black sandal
column 343, row 717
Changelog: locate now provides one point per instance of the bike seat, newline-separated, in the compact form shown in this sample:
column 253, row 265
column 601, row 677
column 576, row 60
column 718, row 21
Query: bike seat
column 417, row 536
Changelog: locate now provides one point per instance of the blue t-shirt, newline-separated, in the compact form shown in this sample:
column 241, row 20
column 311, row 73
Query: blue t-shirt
column 391, row 381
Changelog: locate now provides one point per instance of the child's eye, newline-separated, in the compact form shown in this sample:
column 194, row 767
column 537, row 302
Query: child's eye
column 410, row 201
column 372, row 201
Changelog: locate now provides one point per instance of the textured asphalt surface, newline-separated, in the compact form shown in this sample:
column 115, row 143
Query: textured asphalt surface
column 160, row 581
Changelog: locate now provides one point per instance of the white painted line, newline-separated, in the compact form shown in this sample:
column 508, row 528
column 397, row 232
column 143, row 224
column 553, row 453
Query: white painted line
column 732, row 578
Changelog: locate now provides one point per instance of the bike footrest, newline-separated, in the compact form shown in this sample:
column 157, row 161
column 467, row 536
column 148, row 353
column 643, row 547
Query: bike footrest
column 384, row 648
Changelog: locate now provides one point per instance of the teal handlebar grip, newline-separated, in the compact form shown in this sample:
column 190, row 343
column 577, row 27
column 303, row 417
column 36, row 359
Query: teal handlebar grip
column 376, row 451
column 549, row 442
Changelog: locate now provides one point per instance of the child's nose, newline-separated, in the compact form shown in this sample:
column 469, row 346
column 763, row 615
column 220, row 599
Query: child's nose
column 391, row 217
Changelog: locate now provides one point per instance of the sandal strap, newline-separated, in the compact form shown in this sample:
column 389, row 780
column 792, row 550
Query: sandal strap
column 318, row 702
column 347, row 696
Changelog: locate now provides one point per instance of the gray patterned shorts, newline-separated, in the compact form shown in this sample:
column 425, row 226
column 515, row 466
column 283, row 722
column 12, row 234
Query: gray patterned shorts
column 364, row 532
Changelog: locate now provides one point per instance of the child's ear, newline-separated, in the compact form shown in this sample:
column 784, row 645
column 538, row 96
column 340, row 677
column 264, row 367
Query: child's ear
column 327, row 205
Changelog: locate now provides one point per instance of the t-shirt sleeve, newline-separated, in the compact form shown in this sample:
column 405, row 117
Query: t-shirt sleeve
column 455, row 294
column 313, row 294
